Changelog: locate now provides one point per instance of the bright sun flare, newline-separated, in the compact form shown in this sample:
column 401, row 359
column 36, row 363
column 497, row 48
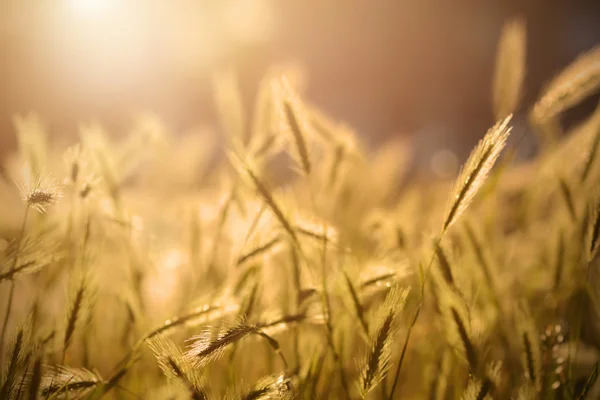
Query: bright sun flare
column 91, row 8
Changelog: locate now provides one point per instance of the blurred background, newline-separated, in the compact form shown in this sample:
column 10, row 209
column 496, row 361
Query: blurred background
column 419, row 70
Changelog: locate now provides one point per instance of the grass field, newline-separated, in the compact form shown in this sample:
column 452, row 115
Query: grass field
column 294, row 263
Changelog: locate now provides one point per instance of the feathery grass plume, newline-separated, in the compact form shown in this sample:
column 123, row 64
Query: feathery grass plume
column 527, row 392
column 376, row 275
column 36, row 379
column 29, row 255
column 567, row 195
column 476, row 169
column 378, row 360
column 66, row 382
column 509, row 72
column 80, row 304
column 468, row 346
column 594, row 230
column 17, row 360
column 268, row 387
column 576, row 82
column 275, row 325
column 531, row 372
column 589, row 384
column 230, row 106
column 73, row 160
column 212, row 342
column 199, row 315
column 243, row 167
column 477, row 390
column 175, row 366
column 591, row 154
column 259, row 250
column 294, row 119
column 37, row 190
column 358, row 308
column 444, row 264
column 531, row 347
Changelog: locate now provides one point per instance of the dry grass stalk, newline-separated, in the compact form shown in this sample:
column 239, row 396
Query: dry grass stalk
column 509, row 73
column 475, row 170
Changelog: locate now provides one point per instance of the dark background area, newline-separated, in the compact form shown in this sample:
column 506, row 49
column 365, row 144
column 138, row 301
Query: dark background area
column 392, row 68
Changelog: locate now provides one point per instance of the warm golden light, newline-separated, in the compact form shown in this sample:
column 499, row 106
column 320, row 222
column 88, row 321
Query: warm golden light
column 90, row 9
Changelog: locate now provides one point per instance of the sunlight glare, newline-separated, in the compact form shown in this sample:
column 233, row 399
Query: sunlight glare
column 91, row 8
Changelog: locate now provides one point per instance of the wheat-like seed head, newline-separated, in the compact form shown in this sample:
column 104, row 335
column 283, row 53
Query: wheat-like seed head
column 38, row 191
column 476, row 170
column 510, row 68
column 573, row 84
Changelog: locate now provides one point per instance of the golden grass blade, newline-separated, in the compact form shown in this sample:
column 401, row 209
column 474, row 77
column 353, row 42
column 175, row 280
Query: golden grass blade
column 69, row 381
column 510, row 68
column 475, row 170
column 17, row 358
column 295, row 120
column 567, row 195
column 591, row 156
column 36, row 379
column 269, row 387
column 469, row 347
column 358, row 308
column 573, row 84
column 174, row 365
column 378, row 360
column 594, row 234
column 81, row 302
column 263, row 191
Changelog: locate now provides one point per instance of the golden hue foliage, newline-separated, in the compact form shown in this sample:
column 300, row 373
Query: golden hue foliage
column 292, row 263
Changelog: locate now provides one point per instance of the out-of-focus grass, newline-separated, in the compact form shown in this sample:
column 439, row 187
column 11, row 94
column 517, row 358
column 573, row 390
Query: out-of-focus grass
column 149, row 268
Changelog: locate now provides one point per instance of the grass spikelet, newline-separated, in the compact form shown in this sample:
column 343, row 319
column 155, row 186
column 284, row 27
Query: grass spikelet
column 444, row 264
column 36, row 379
column 211, row 344
column 589, row 384
column 531, row 370
column 358, row 309
column 573, row 84
column 477, row 390
column 295, row 120
column 80, row 302
column 510, row 68
column 470, row 351
column 567, row 195
column 259, row 250
column 560, row 260
column 594, row 234
column 29, row 255
column 17, row 358
column 199, row 315
column 268, row 387
column 378, row 360
column 475, row 170
column 174, row 365
column 270, row 201
column 38, row 191
column 531, row 348
column 591, row 155
column 68, row 382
